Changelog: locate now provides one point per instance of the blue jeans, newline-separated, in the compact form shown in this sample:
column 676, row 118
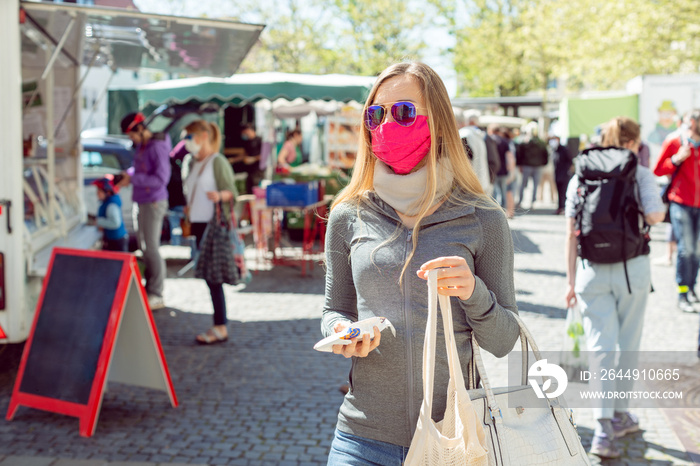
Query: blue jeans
column 686, row 228
column 530, row 172
column 175, row 214
column 500, row 188
column 351, row 450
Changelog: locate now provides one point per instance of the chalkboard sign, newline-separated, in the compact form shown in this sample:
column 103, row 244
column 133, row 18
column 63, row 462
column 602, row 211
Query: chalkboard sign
column 89, row 300
column 69, row 332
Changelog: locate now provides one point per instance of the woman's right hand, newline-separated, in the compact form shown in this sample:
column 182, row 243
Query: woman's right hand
column 358, row 348
column 570, row 296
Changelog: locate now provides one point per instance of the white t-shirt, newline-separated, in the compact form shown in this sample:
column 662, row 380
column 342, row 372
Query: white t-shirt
column 475, row 139
column 201, row 209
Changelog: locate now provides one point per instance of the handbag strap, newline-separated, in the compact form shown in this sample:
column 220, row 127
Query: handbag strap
column 525, row 338
column 673, row 178
column 684, row 141
column 525, row 363
column 429, row 343
column 199, row 175
column 234, row 223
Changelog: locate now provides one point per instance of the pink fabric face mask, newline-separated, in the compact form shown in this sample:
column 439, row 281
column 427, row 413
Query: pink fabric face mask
column 400, row 147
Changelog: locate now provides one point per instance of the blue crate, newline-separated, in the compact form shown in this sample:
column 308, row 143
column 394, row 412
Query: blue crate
column 292, row 195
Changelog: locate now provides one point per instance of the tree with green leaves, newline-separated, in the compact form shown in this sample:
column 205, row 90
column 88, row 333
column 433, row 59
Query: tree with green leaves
column 511, row 47
column 342, row 36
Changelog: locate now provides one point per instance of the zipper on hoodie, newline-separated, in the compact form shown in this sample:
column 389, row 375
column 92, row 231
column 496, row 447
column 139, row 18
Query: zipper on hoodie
column 409, row 339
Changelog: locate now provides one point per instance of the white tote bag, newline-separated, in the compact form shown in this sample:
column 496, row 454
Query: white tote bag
column 458, row 439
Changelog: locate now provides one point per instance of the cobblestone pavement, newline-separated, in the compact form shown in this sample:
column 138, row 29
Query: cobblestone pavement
column 266, row 398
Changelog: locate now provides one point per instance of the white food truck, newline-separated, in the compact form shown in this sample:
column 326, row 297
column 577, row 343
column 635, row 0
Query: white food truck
column 47, row 53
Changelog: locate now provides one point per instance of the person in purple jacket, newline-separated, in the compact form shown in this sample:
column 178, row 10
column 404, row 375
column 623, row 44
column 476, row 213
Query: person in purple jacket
column 149, row 176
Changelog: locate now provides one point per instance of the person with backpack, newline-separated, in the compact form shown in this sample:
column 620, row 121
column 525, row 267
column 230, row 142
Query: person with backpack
column 607, row 200
column 679, row 158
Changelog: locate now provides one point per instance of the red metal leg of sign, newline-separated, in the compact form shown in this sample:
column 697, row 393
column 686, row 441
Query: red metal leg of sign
column 308, row 241
column 2, row 287
column 12, row 410
column 87, row 428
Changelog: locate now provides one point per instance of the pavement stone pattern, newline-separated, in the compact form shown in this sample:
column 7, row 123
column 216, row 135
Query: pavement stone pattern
column 266, row 398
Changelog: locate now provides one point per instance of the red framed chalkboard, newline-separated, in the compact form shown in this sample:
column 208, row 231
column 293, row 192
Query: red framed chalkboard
column 92, row 325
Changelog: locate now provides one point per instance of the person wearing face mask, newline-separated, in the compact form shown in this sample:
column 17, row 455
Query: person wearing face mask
column 413, row 204
column 679, row 158
column 252, row 144
column 209, row 180
column 149, row 176
column 612, row 296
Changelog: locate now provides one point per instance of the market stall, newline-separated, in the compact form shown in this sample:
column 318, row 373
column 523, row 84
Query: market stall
column 49, row 50
column 327, row 109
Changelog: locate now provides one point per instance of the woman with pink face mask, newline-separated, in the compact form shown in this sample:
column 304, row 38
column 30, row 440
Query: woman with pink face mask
column 413, row 204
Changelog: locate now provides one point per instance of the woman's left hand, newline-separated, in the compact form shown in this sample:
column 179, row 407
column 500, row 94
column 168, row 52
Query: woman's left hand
column 455, row 278
column 216, row 196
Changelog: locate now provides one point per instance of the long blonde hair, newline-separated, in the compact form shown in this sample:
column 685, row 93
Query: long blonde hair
column 445, row 142
column 212, row 129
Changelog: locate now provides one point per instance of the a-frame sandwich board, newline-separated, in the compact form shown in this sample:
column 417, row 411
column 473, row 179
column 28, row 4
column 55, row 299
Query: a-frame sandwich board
column 92, row 325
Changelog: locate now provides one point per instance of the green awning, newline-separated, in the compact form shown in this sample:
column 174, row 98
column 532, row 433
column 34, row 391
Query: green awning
column 248, row 88
column 240, row 89
column 583, row 115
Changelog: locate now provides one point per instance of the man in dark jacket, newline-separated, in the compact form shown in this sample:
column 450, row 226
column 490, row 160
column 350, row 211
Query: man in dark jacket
column 562, row 160
column 176, row 195
column 531, row 156
column 252, row 144
column 502, row 184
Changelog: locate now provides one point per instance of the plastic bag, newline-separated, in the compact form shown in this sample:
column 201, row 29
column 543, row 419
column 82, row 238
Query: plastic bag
column 574, row 357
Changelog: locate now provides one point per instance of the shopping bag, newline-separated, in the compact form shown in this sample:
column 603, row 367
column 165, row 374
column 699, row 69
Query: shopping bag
column 459, row 439
column 534, row 431
column 216, row 262
column 574, row 358
column 480, row 427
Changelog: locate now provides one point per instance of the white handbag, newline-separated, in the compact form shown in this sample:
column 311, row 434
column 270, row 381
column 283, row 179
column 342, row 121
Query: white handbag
column 540, row 432
column 459, row 439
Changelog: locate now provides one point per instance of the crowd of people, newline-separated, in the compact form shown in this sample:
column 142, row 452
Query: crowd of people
column 507, row 160
column 189, row 184
column 177, row 192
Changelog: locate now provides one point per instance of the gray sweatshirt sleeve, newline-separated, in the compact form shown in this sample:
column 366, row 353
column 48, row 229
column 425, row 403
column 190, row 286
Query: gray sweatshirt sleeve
column 489, row 309
column 649, row 191
column 341, row 300
column 112, row 218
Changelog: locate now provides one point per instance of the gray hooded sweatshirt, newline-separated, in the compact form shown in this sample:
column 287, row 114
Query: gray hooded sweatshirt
column 362, row 281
